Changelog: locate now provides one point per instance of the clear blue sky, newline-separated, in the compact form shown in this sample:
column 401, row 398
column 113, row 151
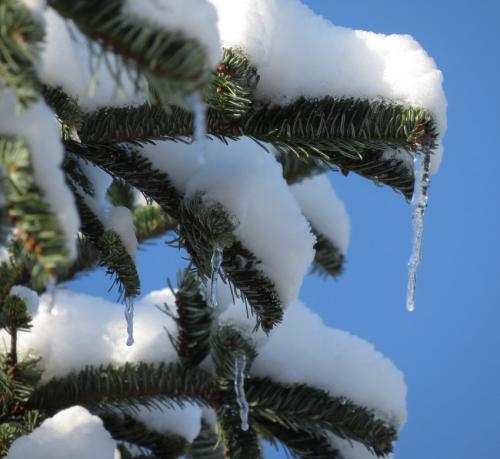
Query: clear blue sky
column 449, row 348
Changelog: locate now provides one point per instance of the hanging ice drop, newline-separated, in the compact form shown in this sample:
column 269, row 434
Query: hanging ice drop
column 200, row 124
column 422, row 164
column 240, row 364
column 50, row 290
column 216, row 264
column 129, row 317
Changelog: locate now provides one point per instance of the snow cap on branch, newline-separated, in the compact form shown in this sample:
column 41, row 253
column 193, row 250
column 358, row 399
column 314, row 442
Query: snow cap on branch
column 248, row 182
column 326, row 212
column 72, row 433
column 298, row 53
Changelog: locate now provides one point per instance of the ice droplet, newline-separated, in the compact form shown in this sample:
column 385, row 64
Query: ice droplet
column 216, row 263
column 51, row 290
column 200, row 124
column 420, row 199
column 240, row 364
column 129, row 317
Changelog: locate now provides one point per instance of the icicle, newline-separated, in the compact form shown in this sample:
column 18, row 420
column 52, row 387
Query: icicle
column 239, row 388
column 200, row 124
column 50, row 290
column 129, row 316
column 422, row 164
column 216, row 263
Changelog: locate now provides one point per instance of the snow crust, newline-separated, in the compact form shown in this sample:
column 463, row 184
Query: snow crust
column 326, row 358
column 86, row 330
column 248, row 182
column 29, row 297
column 299, row 53
column 326, row 212
column 194, row 18
column 38, row 127
column 66, row 61
column 72, row 433
column 121, row 220
column 185, row 421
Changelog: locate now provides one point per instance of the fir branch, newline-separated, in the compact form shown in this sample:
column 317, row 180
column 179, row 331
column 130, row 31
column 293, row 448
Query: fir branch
column 37, row 226
column 151, row 221
column 172, row 64
column 200, row 227
column 238, row 443
column 305, row 408
column 300, row 444
column 20, row 38
column 296, row 169
column 123, row 427
column 206, row 445
column 328, row 260
column 125, row 387
column 120, row 193
column 194, row 320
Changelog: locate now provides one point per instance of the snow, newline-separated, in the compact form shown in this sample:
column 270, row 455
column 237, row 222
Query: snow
column 36, row 7
column 324, row 210
column 248, row 182
column 66, row 61
column 38, row 127
column 196, row 19
column 29, row 297
column 184, row 422
column 72, row 433
column 329, row 359
column 86, row 330
column 283, row 38
column 352, row 449
column 99, row 179
column 121, row 220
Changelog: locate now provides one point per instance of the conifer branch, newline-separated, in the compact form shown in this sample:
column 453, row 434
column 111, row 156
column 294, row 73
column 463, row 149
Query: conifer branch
column 301, row 407
column 125, row 387
column 328, row 260
column 172, row 64
column 206, row 445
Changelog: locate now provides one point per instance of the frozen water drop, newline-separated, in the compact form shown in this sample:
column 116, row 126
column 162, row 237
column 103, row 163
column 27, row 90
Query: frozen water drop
column 239, row 388
column 216, row 263
column 420, row 199
column 129, row 317
column 200, row 124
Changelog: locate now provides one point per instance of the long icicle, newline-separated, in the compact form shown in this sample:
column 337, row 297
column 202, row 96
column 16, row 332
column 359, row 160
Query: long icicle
column 216, row 263
column 420, row 200
column 200, row 124
column 129, row 317
column 240, row 364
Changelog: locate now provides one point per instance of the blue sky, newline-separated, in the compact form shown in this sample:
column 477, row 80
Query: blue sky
column 448, row 348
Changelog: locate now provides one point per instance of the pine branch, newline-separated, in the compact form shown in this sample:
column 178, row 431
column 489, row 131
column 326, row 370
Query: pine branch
column 125, row 387
column 296, row 169
column 172, row 64
column 151, row 221
column 328, row 260
column 111, row 252
column 300, row 407
column 300, row 444
column 37, row 226
column 194, row 320
column 206, row 445
column 239, row 444
column 20, row 37
column 123, row 427
column 200, row 227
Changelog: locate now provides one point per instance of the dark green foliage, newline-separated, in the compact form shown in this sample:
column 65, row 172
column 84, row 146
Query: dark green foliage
column 206, row 445
column 123, row 427
column 125, row 387
column 296, row 169
column 233, row 84
column 151, row 221
column 328, row 260
column 300, row 407
column 20, row 37
column 172, row 64
column 298, row 443
column 120, row 193
column 193, row 319
column 38, row 228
